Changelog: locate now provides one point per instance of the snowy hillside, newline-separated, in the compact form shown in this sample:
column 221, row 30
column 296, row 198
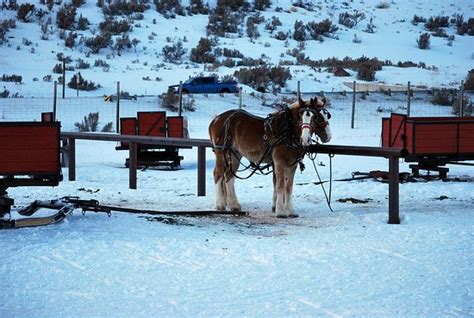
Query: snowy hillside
column 383, row 29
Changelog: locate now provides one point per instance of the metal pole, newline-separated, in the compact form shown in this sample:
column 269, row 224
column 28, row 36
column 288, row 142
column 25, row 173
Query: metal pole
column 353, row 103
column 64, row 78
column 180, row 110
column 461, row 109
column 55, row 99
column 393, row 188
column 409, row 99
column 201, row 171
column 132, row 165
column 298, row 90
column 117, row 115
column 72, row 158
column 240, row 98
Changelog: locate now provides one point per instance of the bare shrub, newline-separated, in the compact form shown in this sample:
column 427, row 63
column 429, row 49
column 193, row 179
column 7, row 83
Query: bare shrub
column 114, row 27
column 78, row 82
column 25, row 11
column 226, row 17
column 202, row 53
column 443, row 97
column 197, row 7
column 174, row 53
column 273, row 24
column 124, row 7
column 169, row 8
column 81, row 64
column 121, row 43
column 98, row 42
column 82, row 23
column 282, row 36
column 350, row 20
column 91, row 123
column 434, row 23
column 264, row 77
column 299, row 31
column 261, row 5
column 383, row 5
column 11, row 78
column 469, row 83
column 423, row 41
column 70, row 39
column 418, row 19
column 318, row 29
column 65, row 17
column 5, row 26
column 466, row 27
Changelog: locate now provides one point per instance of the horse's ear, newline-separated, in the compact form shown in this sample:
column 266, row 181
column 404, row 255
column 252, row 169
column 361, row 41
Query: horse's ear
column 321, row 103
column 301, row 102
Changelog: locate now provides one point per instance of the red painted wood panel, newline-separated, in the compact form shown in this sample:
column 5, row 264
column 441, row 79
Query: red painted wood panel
column 397, row 130
column 177, row 127
column 29, row 148
column 128, row 126
column 435, row 139
column 385, row 132
column 466, row 133
column 152, row 124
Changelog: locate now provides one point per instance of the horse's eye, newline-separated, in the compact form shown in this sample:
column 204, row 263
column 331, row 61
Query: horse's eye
column 329, row 115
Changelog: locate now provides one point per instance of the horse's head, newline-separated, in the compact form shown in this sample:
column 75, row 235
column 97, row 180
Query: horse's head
column 312, row 118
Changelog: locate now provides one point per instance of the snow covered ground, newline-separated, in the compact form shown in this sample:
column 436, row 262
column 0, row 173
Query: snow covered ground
column 346, row 263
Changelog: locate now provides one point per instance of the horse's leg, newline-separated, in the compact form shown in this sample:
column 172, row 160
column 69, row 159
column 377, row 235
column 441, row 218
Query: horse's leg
column 232, row 200
column 289, row 179
column 219, row 180
column 280, row 190
column 274, row 192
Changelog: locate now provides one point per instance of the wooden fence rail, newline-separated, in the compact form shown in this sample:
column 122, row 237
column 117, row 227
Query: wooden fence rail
column 393, row 154
column 133, row 141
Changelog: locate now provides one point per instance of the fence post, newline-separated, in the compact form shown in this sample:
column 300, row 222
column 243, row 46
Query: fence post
column 409, row 100
column 132, row 165
column 117, row 118
column 64, row 78
column 201, row 171
column 77, row 85
column 461, row 106
column 180, row 95
column 72, row 158
column 55, row 99
column 393, row 191
column 353, row 103
column 240, row 98
column 298, row 90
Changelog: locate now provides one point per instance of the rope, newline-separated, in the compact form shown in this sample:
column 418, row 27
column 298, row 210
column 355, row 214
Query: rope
column 328, row 198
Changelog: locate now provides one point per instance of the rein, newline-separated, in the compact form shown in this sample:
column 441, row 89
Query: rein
column 312, row 157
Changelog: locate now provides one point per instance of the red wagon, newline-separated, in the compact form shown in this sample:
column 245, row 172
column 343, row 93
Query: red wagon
column 155, row 124
column 432, row 142
column 29, row 157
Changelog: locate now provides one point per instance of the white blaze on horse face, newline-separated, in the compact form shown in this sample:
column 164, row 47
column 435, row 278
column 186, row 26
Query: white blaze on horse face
column 306, row 130
column 327, row 129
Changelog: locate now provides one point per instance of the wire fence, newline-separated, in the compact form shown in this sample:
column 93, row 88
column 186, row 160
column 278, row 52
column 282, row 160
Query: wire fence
column 363, row 111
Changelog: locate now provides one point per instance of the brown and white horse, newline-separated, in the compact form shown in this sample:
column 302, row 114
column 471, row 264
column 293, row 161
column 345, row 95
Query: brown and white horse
column 279, row 140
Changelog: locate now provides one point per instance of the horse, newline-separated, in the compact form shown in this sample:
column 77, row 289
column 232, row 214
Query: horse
column 278, row 140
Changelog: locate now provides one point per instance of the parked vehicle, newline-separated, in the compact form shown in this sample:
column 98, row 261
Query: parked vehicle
column 209, row 85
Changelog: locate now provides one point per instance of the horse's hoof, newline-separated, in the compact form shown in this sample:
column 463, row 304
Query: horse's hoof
column 220, row 208
column 273, row 209
column 236, row 209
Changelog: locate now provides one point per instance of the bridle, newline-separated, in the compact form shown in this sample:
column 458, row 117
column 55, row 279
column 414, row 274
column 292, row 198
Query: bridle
column 319, row 124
